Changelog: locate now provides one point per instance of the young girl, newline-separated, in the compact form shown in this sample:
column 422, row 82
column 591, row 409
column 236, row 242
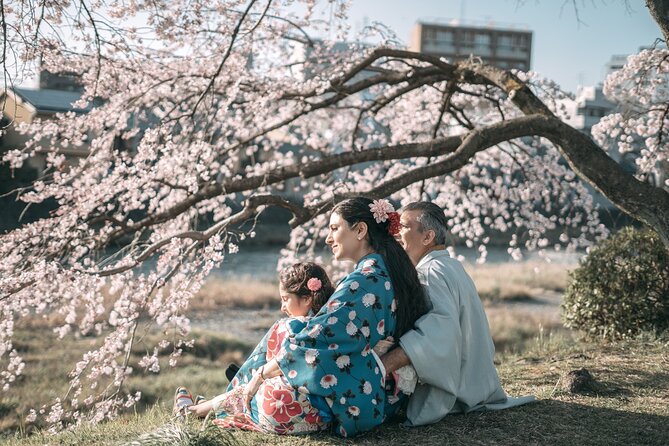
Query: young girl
column 304, row 288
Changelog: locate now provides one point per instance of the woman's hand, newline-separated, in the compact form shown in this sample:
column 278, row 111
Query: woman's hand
column 252, row 387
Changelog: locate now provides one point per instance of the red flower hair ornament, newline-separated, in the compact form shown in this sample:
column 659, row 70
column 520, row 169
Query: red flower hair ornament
column 394, row 225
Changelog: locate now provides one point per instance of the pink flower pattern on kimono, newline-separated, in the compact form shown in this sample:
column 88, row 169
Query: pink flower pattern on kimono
column 277, row 407
column 280, row 404
column 274, row 343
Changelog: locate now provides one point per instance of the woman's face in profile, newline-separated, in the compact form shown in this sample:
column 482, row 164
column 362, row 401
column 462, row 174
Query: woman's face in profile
column 342, row 239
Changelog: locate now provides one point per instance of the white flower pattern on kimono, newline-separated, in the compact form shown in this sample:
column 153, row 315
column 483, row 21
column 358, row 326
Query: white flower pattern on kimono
column 310, row 356
column 368, row 299
column 333, row 305
column 367, row 388
column 328, row 381
column 343, row 361
column 351, row 328
column 315, row 330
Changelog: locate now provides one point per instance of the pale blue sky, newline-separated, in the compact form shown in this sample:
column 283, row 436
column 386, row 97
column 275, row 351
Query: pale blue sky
column 569, row 52
column 563, row 50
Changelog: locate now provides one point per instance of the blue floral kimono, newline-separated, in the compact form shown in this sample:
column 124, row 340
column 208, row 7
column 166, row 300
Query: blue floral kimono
column 331, row 376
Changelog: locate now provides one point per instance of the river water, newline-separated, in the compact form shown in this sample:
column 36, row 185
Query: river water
column 260, row 263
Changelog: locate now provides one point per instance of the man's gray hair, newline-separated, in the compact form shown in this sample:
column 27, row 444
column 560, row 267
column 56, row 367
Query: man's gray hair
column 431, row 218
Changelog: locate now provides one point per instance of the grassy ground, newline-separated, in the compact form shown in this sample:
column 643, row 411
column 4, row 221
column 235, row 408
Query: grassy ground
column 629, row 404
column 518, row 281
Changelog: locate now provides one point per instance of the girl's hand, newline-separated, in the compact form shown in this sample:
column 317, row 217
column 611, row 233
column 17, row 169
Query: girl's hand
column 384, row 345
column 252, row 387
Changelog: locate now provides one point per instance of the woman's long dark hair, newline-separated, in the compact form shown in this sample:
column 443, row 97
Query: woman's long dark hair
column 409, row 293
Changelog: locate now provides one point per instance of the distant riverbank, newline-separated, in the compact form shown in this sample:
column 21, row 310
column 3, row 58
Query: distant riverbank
column 259, row 263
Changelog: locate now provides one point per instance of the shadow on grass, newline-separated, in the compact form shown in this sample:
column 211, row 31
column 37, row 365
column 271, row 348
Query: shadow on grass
column 547, row 422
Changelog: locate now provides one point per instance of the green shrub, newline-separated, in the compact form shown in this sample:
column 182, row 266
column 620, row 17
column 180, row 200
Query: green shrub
column 621, row 287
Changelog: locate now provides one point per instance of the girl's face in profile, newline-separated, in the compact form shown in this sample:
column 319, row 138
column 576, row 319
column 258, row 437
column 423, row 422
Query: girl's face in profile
column 294, row 305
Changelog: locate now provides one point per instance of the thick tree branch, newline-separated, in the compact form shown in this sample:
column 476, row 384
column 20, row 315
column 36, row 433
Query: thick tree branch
column 659, row 9
column 636, row 198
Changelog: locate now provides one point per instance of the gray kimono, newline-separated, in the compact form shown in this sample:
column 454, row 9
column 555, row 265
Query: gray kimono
column 451, row 347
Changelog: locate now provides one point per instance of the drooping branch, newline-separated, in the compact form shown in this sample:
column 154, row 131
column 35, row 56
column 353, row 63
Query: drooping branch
column 233, row 39
column 250, row 209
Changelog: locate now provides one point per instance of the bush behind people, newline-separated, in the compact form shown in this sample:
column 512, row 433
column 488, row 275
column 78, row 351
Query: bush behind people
column 621, row 288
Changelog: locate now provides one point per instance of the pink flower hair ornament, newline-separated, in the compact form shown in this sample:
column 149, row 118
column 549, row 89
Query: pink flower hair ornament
column 314, row 284
column 380, row 210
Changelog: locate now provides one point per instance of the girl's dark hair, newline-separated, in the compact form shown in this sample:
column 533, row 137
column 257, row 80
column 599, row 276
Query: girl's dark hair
column 294, row 280
column 409, row 293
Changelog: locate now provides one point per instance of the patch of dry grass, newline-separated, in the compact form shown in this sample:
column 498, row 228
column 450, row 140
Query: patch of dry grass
column 518, row 281
column 494, row 281
column 218, row 292
column 514, row 329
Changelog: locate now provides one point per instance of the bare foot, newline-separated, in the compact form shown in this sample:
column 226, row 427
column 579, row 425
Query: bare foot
column 201, row 410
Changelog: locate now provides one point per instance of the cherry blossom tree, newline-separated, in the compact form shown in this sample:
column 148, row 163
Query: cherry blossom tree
column 206, row 105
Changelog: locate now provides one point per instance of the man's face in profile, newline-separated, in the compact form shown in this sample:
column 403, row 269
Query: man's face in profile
column 411, row 238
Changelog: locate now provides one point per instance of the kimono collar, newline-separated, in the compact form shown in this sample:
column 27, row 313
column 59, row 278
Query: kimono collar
column 432, row 255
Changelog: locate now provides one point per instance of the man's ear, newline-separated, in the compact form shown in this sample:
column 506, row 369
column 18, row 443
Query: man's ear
column 428, row 237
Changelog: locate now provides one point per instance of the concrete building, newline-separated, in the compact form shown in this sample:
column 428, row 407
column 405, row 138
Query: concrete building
column 505, row 48
column 616, row 62
column 589, row 106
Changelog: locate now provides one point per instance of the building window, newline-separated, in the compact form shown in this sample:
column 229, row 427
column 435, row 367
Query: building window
column 445, row 37
column 482, row 39
column 504, row 41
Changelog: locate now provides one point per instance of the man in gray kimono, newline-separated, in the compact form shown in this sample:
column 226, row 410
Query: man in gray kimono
column 450, row 347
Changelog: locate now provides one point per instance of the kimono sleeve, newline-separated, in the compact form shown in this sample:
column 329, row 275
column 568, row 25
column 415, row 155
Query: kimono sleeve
column 269, row 346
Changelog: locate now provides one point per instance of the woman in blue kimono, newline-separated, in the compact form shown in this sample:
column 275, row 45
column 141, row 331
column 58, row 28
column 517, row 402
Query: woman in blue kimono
column 325, row 374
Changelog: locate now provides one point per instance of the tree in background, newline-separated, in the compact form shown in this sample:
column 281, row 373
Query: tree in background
column 230, row 101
